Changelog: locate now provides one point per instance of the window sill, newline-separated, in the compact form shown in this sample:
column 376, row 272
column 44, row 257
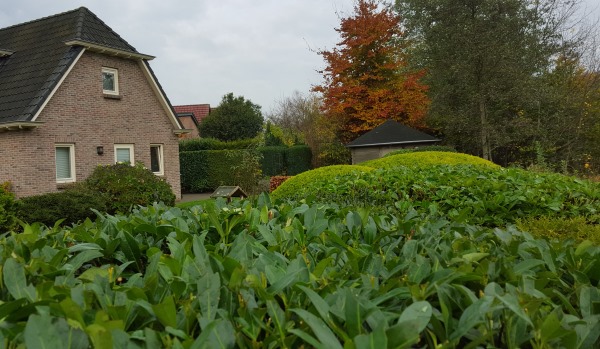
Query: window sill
column 109, row 96
column 65, row 185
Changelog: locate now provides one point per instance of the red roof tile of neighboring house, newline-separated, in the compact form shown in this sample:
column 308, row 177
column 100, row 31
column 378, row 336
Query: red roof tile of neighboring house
column 200, row 111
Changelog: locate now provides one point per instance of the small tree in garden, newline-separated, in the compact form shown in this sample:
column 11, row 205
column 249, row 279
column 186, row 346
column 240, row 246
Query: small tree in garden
column 301, row 118
column 234, row 118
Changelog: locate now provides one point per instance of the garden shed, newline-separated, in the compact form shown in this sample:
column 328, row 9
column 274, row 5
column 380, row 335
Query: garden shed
column 387, row 137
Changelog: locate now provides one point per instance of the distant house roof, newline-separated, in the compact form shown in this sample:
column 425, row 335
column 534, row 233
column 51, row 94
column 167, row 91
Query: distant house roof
column 36, row 55
column 391, row 133
column 197, row 111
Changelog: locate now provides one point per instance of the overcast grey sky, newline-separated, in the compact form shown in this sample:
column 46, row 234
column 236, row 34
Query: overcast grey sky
column 261, row 49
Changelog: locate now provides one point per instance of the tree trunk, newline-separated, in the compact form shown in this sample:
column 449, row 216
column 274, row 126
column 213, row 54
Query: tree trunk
column 486, row 148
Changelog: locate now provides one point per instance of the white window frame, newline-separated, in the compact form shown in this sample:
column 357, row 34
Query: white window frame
column 115, row 74
column 71, row 148
column 161, row 162
column 131, row 152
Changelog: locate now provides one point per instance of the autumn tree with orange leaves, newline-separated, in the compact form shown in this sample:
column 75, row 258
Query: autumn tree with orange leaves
column 367, row 80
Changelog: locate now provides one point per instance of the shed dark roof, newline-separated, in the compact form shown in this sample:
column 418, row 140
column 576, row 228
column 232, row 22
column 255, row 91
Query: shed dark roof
column 40, row 58
column 391, row 133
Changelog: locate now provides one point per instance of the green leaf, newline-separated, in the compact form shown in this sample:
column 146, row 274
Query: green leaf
column 11, row 307
column 15, row 282
column 93, row 273
column 320, row 329
column 296, row 272
column 130, row 248
column 589, row 301
column 83, row 257
column 208, row 294
column 218, row 334
column 40, row 333
column 166, row 312
column 412, row 322
column 353, row 313
column 319, row 303
column 475, row 257
column 472, row 316
column 583, row 247
column 527, row 265
column 512, row 302
column 100, row 336
column 308, row 338
column 588, row 332
column 278, row 317
column 551, row 328
column 374, row 340
column 84, row 247
column 266, row 233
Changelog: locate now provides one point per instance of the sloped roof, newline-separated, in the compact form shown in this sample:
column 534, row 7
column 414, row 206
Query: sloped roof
column 198, row 111
column 38, row 57
column 391, row 133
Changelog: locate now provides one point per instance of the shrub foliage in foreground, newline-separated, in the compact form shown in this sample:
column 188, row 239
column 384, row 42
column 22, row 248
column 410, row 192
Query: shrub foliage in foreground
column 256, row 275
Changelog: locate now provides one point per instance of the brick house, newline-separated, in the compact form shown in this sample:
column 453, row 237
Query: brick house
column 387, row 137
column 190, row 116
column 75, row 95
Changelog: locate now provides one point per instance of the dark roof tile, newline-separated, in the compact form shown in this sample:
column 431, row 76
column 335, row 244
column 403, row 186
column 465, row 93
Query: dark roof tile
column 40, row 58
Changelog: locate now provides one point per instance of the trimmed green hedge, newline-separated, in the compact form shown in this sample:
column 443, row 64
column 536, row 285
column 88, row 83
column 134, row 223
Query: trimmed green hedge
column 298, row 158
column 194, row 170
column 206, row 170
column 274, row 160
column 215, row 144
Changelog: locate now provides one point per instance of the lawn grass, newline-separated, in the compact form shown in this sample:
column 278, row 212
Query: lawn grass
column 189, row 204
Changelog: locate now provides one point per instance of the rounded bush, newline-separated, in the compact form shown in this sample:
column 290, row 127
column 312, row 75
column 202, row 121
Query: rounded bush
column 471, row 194
column 125, row 186
column 73, row 205
column 428, row 158
column 297, row 186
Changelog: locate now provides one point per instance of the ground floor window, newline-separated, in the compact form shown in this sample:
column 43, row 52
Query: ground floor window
column 65, row 163
column 124, row 153
column 156, row 159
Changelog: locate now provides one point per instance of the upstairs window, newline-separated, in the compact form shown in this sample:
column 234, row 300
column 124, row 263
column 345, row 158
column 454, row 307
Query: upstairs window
column 110, row 81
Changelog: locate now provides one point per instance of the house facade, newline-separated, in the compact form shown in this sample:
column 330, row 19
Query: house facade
column 190, row 116
column 75, row 95
column 385, row 138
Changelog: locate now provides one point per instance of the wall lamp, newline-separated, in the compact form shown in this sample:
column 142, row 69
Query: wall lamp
column 100, row 150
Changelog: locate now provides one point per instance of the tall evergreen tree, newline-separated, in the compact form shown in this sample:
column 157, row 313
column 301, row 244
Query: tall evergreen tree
column 483, row 58
column 234, row 118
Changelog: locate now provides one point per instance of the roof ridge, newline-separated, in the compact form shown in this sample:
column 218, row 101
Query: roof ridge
column 44, row 18
column 79, row 25
column 81, row 21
